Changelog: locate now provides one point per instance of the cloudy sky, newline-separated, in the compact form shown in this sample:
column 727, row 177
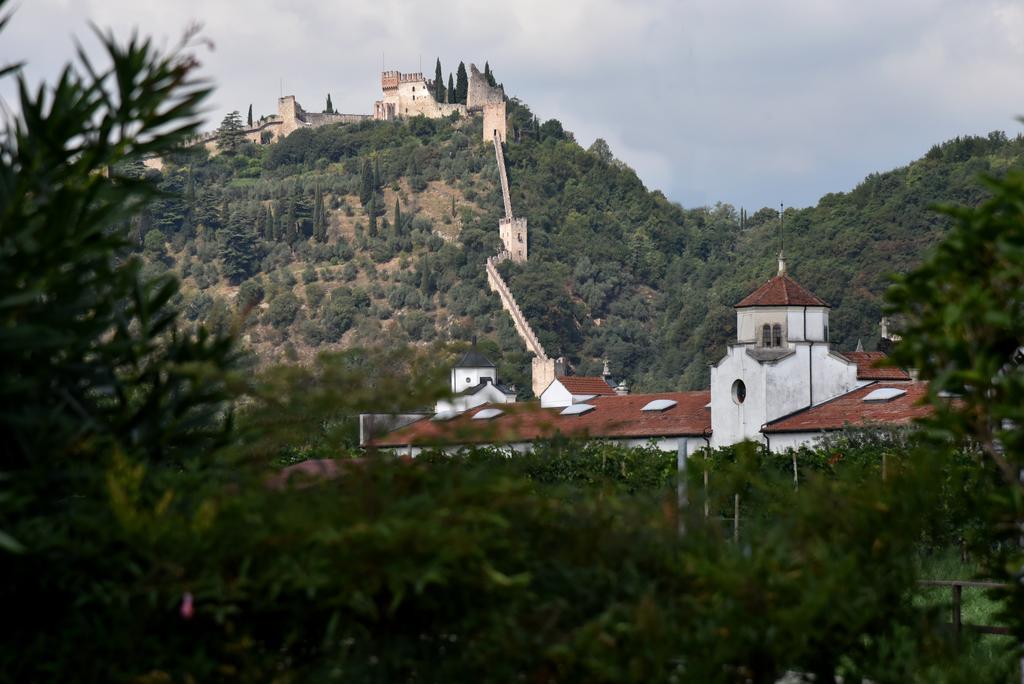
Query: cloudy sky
column 748, row 102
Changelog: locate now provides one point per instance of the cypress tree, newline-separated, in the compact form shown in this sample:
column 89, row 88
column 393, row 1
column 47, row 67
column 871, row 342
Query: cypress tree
column 330, row 106
column 428, row 282
column 378, row 179
column 438, row 82
column 190, row 204
column 398, row 219
column 451, row 90
column 461, row 84
column 273, row 229
column 366, row 186
column 250, row 116
column 489, row 75
column 319, row 217
column 371, row 212
column 288, row 230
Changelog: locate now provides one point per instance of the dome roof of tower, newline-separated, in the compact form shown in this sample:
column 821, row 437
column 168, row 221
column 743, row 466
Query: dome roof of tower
column 474, row 359
column 781, row 291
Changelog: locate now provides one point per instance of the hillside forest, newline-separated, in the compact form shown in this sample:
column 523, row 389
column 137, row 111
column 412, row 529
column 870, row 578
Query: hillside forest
column 375, row 234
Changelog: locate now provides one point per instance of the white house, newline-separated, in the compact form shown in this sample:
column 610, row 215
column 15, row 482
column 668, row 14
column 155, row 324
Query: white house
column 572, row 389
column 474, row 383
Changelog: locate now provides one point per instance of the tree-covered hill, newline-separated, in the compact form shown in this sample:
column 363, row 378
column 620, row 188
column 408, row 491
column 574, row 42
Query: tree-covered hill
column 376, row 234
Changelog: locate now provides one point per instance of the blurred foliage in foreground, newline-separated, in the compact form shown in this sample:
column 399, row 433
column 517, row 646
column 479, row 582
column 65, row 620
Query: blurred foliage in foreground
column 142, row 542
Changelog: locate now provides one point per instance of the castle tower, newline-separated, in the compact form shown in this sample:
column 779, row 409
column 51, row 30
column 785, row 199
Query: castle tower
column 513, row 236
column 495, row 122
column 290, row 112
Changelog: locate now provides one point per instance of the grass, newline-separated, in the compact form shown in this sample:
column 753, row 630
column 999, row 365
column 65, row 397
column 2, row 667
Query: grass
column 987, row 658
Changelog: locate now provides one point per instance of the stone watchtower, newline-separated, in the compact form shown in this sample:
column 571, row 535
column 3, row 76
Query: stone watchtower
column 495, row 122
column 513, row 236
column 483, row 97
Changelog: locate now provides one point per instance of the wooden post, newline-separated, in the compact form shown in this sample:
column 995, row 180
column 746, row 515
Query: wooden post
column 957, row 601
column 682, row 497
column 707, row 506
column 736, row 518
column 796, row 477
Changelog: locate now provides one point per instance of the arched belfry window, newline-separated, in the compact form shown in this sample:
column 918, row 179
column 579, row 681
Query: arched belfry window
column 766, row 335
column 776, row 335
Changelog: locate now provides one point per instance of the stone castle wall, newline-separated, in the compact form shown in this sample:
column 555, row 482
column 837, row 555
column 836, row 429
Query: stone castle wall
column 291, row 117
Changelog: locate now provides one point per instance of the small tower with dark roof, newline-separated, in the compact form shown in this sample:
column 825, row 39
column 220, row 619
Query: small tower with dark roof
column 471, row 370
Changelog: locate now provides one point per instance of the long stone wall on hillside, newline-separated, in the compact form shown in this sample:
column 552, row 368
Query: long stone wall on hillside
column 499, row 153
column 508, row 302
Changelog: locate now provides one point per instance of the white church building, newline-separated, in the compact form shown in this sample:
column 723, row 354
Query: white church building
column 779, row 383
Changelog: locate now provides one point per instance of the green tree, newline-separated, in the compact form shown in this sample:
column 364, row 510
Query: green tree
column 283, row 309
column 153, row 246
column 329, row 108
column 439, row 93
column 229, row 135
column 601, row 149
column 250, row 294
column 238, row 249
column 371, row 215
column 249, row 119
column 964, row 313
column 489, row 75
column 85, row 341
column 366, row 183
column 398, row 226
column 450, row 91
column 319, row 217
column 461, row 84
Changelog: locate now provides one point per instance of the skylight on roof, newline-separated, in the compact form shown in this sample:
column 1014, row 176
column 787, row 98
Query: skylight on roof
column 659, row 405
column 884, row 394
column 582, row 397
column 487, row 414
column 577, row 409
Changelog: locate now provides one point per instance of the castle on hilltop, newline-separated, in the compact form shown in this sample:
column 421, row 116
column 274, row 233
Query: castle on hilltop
column 408, row 95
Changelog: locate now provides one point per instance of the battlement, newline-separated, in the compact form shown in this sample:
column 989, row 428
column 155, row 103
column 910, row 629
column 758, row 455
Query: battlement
column 389, row 80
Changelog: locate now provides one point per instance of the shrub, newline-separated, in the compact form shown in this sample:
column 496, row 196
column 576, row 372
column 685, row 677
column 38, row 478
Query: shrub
column 282, row 310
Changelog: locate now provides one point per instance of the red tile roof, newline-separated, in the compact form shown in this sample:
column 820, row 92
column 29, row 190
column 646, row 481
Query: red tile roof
column 781, row 291
column 851, row 409
column 582, row 384
column 613, row 417
column 867, row 368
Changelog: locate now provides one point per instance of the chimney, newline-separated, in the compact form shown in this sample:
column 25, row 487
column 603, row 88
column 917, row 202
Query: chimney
column 782, row 264
column 621, row 390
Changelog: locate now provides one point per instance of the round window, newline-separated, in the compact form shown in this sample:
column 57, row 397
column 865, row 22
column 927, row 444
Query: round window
column 739, row 391
column 468, row 380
